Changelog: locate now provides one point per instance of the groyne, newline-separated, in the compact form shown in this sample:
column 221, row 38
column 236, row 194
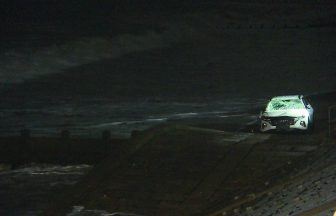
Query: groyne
column 63, row 149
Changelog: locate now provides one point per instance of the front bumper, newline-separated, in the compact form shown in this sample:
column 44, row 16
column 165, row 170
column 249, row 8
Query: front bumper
column 301, row 124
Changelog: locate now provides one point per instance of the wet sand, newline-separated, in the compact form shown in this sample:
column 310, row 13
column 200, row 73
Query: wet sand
column 187, row 170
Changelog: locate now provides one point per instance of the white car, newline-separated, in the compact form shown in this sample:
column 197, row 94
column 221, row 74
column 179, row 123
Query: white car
column 287, row 113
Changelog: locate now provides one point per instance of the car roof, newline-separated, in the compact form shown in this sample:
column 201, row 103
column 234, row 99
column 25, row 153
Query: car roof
column 287, row 97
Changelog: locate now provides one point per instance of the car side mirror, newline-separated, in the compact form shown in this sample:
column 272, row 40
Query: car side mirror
column 308, row 106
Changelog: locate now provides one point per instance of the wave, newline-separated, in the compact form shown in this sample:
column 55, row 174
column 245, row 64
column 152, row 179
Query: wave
column 20, row 64
column 48, row 169
column 81, row 211
column 118, row 123
column 167, row 117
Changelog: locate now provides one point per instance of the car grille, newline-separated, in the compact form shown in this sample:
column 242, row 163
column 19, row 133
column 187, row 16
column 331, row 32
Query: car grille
column 275, row 121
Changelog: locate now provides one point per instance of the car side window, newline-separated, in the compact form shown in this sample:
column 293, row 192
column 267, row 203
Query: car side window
column 305, row 102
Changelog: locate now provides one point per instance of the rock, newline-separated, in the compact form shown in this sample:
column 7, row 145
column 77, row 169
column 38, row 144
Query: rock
column 251, row 196
column 317, row 182
column 249, row 209
column 236, row 211
column 297, row 199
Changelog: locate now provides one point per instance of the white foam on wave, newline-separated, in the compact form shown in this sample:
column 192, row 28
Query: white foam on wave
column 233, row 115
column 161, row 119
column 156, row 120
column 90, row 118
column 171, row 112
column 19, row 64
column 80, row 210
column 48, row 170
column 184, row 114
column 118, row 123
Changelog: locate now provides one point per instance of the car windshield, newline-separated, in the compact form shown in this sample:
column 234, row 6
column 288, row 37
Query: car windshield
column 284, row 104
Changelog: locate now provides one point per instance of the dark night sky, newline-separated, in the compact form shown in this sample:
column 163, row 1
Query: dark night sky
column 81, row 18
column 59, row 21
column 16, row 16
column 136, row 50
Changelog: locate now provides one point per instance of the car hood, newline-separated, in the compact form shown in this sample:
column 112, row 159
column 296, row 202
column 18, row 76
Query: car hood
column 291, row 113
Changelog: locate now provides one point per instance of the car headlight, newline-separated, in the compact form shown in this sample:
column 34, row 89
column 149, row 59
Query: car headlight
column 264, row 118
column 303, row 123
column 299, row 118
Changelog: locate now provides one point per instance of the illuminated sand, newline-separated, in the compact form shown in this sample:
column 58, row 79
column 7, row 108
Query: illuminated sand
column 185, row 170
column 189, row 171
column 229, row 52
